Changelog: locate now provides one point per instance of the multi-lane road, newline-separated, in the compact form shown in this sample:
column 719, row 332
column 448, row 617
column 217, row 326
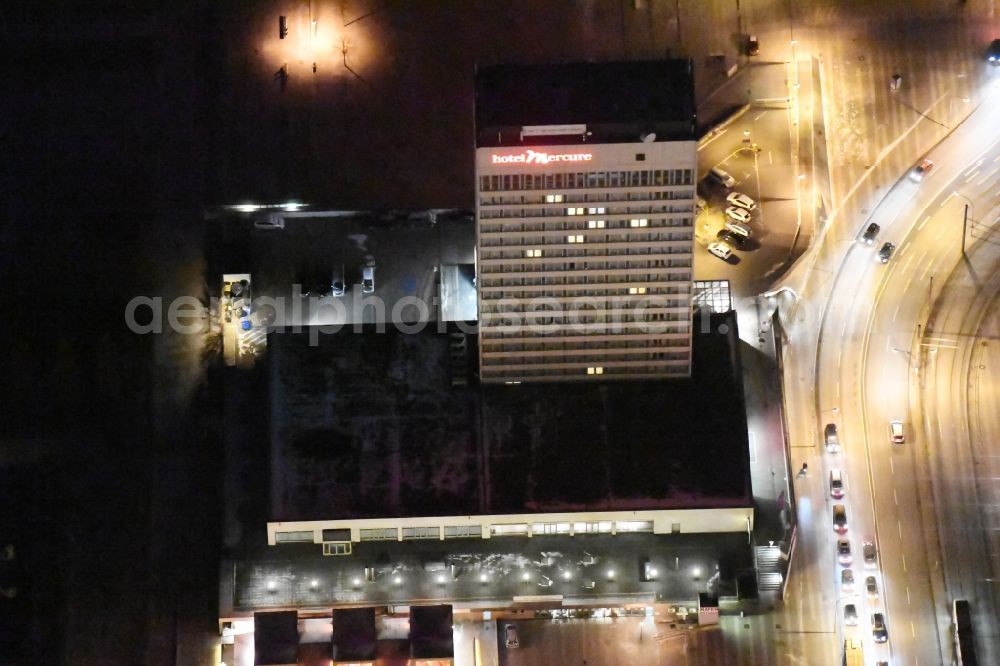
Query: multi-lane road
column 861, row 349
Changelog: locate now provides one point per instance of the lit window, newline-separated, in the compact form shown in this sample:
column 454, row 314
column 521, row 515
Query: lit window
column 574, row 211
column 532, row 253
column 595, row 224
column 637, row 290
column 578, row 238
column 554, row 198
column 598, row 211
column 643, row 222
column 595, row 371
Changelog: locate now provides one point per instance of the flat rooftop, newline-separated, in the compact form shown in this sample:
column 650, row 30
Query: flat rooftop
column 617, row 101
column 368, row 425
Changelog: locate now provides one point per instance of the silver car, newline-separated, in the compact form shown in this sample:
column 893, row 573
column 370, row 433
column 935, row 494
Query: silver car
column 738, row 214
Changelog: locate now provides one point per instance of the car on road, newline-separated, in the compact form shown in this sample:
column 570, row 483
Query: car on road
column 871, row 587
column 738, row 214
column 722, row 177
column 879, row 632
column 871, row 232
column 738, row 229
column 831, row 438
column 839, row 518
column 921, row 170
column 741, row 200
column 846, row 580
column 367, row 279
column 844, row 555
column 993, row 52
column 836, row 484
column 753, row 45
column 885, row 252
column 869, row 554
column 510, row 636
column 721, row 250
column 850, row 615
column 896, row 434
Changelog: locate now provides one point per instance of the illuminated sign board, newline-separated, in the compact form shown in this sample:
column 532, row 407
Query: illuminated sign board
column 533, row 157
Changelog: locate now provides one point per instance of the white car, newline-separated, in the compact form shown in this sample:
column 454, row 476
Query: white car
column 896, row 435
column 367, row 279
column 721, row 250
column 738, row 214
column 741, row 200
column 738, row 229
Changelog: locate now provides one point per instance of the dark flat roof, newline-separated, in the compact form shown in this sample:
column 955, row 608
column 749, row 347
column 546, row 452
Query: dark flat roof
column 276, row 638
column 368, row 425
column 354, row 635
column 431, row 632
column 616, row 100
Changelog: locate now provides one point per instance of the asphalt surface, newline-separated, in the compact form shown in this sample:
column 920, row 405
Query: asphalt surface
column 865, row 315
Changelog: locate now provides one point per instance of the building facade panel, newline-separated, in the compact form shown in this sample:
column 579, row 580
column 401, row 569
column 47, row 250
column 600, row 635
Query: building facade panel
column 584, row 256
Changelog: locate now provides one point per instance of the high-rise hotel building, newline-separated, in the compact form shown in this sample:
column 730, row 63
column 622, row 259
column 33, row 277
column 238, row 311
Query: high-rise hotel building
column 585, row 203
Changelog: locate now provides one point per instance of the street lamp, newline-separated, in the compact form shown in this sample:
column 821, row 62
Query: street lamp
column 965, row 217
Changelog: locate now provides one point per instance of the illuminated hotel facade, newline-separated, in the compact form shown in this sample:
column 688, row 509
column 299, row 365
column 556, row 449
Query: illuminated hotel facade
column 585, row 198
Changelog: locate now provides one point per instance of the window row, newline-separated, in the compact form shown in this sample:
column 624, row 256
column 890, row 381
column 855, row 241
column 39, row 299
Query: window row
column 582, row 179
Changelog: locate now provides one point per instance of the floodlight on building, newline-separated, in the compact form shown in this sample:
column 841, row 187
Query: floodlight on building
column 440, row 579
column 398, row 580
column 696, row 572
column 610, row 574
column 271, row 586
column 526, row 576
column 314, row 583
column 567, row 575
column 356, row 582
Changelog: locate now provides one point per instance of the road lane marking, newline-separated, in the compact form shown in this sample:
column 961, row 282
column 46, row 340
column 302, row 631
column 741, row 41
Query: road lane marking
column 903, row 555
column 899, row 528
column 972, row 176
column 894, row 497
column 907, row 595
column 946, row 200
column 988, row 176
column 760, row 115
column 892, row 470
column 913, row 630
column 894, row 313
column 926, row 219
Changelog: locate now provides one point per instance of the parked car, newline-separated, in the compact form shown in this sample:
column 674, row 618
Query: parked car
column 869, row 554
column 896, row 434
column 871, row 587
column 269, row 221
column 722, row 177
column 993, row 52
column 510, row 636
column 738, row 214
column 337, row 286
column 721, row 250
column 921, row 170
column 738, row 229
column 741, row 200
column 885, row 253
column 850, row 615
column 879, row 631
column 836, row 484
column 831, row 438
column 871, row 233
column 367, row 279
column 846, row 580
column 844, row 555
